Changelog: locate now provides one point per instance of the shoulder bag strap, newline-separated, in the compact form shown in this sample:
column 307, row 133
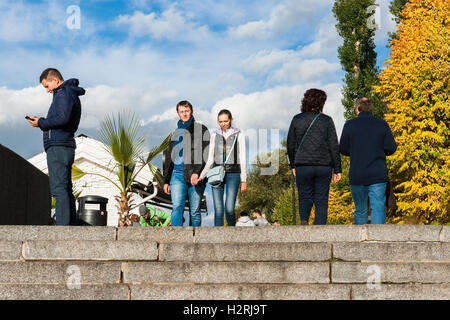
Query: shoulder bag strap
column 231, row 150
column 303, row 139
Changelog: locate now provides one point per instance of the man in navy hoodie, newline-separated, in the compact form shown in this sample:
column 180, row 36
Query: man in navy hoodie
column 367, row 140
column 59, row 128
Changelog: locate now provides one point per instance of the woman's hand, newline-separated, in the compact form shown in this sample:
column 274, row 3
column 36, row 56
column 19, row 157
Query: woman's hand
column 337, row 177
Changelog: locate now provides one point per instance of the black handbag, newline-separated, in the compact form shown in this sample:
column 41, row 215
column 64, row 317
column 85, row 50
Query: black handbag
column 391, row 200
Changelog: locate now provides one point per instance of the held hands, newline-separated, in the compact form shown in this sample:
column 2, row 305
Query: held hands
column 194, row 179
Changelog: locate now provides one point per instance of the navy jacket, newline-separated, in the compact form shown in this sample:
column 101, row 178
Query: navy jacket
column 63, row 116
column 367, row 140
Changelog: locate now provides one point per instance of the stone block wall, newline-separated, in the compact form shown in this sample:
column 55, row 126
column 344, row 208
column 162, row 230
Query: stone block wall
column 232, row 263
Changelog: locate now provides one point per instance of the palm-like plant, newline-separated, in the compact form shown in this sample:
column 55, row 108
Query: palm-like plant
column 123, row 141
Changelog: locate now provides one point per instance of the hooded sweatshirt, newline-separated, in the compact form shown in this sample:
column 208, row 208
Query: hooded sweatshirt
column 261, row 222
column 64, row 115
column 245, row 222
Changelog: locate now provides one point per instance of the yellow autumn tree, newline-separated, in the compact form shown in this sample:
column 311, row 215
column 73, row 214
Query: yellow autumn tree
column 415, row 86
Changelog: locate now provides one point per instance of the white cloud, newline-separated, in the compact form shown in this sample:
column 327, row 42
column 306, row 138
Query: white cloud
column 171, row 24
column 289, row 66
column 284, row 16
column 384, row 19
column 299, row 70
column 16, row 104
column 326, row 39
column 265, row 60
column 98, row 101
column 22, row 21
column 275, row 107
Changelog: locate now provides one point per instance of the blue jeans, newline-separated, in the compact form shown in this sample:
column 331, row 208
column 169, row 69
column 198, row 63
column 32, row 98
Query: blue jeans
column 59, row 162
column 231, row 184
column 376, row 193
column 313, row 183
column 178, row 190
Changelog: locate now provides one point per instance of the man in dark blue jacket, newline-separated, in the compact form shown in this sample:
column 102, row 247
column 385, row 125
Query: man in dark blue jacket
column 367, row 140
column 59, row 128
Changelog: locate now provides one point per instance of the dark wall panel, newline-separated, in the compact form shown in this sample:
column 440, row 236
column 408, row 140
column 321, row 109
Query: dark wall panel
column 24, row 191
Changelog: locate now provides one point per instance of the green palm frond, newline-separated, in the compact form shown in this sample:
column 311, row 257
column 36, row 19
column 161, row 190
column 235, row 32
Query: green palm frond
column 77, row 173
column 121, row 137
column 151, row 155
column 159, row 149
column 157, row 175
column 123, row 141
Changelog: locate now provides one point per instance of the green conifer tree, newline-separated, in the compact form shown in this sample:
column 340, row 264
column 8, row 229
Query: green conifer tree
column 357, row 53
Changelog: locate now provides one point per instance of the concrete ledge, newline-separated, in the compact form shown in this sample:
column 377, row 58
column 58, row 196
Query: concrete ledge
column 158, row 234
column 329, row 233
column 226, row 272
column 90, row 250
column 27, row 233
column 244, row 252
column 402, row 292
column 395, row 232
column 390, row 272
column 240, row 292
column 59, row 272
column 10, row 250
column 445, row 234
column 61, row 292
column 392, row 251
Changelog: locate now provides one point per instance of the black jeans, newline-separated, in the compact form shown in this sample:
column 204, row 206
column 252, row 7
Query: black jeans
column 313, row 183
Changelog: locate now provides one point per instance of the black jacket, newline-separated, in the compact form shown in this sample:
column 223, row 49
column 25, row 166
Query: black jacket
column 367, row 140
column 193, row 161
column 320, row 147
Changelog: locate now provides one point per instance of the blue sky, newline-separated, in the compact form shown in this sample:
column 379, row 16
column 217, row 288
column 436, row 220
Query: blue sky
column 255, row 58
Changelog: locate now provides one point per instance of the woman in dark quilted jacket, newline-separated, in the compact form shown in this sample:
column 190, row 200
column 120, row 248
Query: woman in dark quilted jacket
column 313, row 151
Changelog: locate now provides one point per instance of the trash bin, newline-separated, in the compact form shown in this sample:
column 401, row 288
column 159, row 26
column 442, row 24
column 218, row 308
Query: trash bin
column 92, row 211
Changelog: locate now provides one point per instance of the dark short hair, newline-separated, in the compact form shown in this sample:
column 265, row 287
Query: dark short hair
column 50, row 73
column 257, row 211
column 185, row 103
column 225, row 111
column 313, row 100
column 364, row 104
column 243, row 213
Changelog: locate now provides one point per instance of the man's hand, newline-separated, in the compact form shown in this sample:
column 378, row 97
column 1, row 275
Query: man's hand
column 194, row 179
column 34, row 121
column 293, row 172
column 243, row 187
column 166, row 188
